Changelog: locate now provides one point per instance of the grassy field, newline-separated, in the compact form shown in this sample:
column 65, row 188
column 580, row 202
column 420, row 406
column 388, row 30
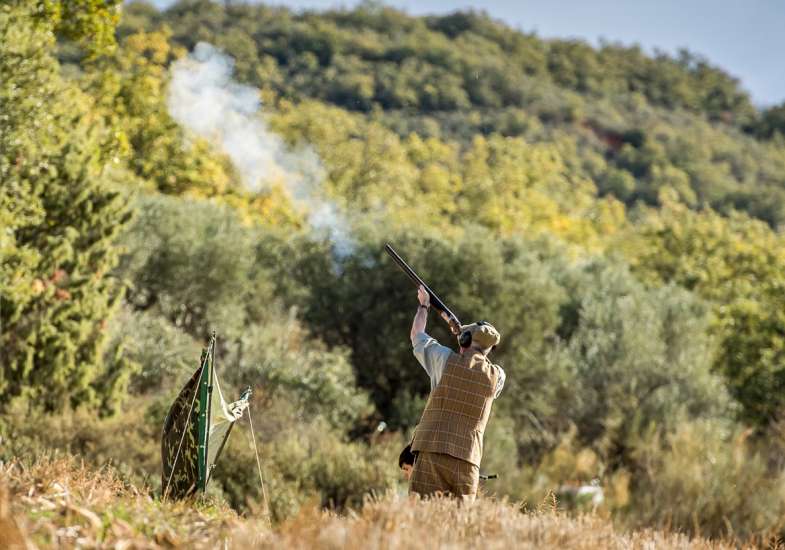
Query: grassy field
column 61, row 503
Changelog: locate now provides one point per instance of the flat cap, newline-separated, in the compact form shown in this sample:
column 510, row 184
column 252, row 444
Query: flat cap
column 484, row 334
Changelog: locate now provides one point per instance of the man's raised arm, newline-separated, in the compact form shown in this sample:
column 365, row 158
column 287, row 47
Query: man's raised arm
column 421, row 317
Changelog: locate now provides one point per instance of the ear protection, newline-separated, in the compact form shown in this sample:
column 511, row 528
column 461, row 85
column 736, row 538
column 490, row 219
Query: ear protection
column 465, row 339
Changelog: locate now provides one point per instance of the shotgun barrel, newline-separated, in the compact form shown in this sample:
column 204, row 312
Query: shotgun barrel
column 436, row 302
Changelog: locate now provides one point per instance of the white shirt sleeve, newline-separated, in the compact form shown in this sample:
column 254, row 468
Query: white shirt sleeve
column 499, row 382
column 431, row 355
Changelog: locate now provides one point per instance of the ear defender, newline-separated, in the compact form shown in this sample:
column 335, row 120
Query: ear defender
column 465, row 340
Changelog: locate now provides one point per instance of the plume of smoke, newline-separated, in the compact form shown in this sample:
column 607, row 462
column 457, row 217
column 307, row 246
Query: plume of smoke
column 204, row 99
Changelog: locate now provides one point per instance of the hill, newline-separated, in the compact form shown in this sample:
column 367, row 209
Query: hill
column 635, row 123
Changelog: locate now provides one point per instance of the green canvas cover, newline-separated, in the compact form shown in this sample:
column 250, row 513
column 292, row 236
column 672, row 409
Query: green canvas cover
column 181, row 468
column 191, row 443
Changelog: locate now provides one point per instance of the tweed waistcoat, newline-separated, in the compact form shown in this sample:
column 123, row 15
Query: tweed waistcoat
column 458, row 408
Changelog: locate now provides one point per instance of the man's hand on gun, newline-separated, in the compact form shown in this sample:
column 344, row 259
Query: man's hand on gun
column 425, row 293
column 425, row 300
column 424, row 297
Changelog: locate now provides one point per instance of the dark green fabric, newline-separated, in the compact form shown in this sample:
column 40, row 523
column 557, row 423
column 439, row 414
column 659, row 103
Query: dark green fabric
column 181, row 473
column 186, row 469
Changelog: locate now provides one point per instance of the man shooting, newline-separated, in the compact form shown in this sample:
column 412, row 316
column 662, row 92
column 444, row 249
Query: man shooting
column 448, row 440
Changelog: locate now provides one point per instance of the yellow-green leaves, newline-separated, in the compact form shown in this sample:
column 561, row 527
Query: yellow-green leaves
column 738, row 265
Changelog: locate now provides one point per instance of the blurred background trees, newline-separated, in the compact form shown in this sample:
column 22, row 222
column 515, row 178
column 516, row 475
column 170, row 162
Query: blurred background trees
column 63, row 215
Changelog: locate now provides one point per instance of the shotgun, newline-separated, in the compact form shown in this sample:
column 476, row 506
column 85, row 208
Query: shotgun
column 447, row 315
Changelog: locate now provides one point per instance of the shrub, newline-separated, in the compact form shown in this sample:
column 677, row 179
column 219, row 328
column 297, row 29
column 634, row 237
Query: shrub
column 706, row 478
column 304, row 462
column 191, row 262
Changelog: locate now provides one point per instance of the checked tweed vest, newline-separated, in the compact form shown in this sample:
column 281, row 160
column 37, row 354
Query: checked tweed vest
column 454, row 419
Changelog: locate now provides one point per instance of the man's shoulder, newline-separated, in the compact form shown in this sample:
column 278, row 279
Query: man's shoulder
column 420, row 341
column 494, row 368
column 429, row 349
column 422, row 338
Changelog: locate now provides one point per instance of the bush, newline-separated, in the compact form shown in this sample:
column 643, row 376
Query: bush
column 303, row 462
column 128, row 441
column 162, row 355
column 284, row 361
column 191, row 262
column 637, row 359
column 706, row 478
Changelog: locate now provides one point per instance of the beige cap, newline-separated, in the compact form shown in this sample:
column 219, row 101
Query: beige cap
column 484, row 335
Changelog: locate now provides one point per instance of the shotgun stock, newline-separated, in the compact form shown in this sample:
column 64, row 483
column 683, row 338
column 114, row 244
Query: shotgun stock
column 447, row 315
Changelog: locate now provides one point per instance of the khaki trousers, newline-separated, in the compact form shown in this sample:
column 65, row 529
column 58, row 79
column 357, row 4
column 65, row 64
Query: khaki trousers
column 438, row 473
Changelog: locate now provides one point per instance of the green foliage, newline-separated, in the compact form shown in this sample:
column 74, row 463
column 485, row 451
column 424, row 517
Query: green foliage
column 287, row 362
column 130, row 442
column 304, row 461
column 162, row 355
column 131, row 88
column 639, row 360
column 191, row 269
column 701, row 165
column 633, row 123
column 505, row 184
column 191, row 261
column 375, row 55
column 63, row 217
column 737, row 264
column 89, row 22
column 772, row 122
column 709, row 480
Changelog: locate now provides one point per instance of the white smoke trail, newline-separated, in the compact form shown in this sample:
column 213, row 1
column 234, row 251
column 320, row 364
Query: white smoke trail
column 205, row 100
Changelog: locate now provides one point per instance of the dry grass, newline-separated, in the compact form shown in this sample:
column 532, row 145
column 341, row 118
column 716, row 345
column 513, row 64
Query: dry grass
column 398, row 523
column 61, row 503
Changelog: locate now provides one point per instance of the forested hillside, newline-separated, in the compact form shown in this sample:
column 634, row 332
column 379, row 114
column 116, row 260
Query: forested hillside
column 638, row 123
column 238, row 168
